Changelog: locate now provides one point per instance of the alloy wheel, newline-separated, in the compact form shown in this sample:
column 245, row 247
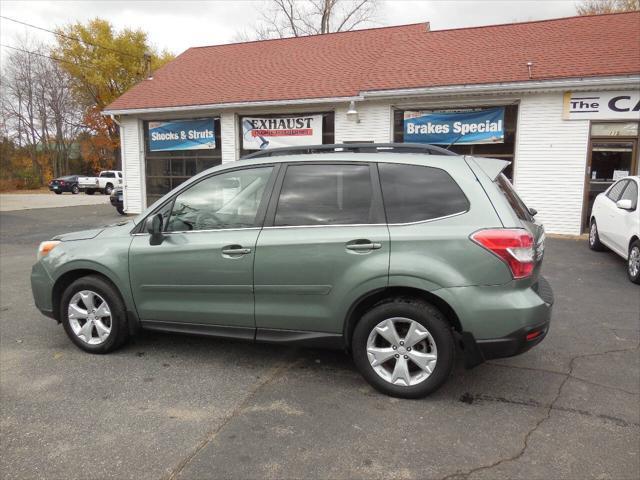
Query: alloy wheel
column 402, row 351
column 593, row 232
column 634, row 261
column 89, row 317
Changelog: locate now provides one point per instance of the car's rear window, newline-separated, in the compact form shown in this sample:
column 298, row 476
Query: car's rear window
column 413, row 193
column 512, row 197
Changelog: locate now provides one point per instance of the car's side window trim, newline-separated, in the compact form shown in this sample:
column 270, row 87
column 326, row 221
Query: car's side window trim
column 378, row 208
column 260, row 215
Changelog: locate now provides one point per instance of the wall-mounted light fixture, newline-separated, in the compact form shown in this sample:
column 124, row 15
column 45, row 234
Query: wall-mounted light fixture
column 530, row 69
column 352, row 113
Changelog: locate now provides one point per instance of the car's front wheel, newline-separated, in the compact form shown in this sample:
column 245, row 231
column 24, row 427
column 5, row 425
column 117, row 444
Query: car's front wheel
column 633, row 262
column 594, row 238
column 93, row 315
column 108, row 189
column 75, row 190
column 404, row 348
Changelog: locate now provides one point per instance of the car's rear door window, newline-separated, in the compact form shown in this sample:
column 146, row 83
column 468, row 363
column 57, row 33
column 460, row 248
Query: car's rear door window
column 413, row 193
column 326, row 194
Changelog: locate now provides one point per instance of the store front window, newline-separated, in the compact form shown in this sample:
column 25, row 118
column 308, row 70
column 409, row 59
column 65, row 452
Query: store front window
column 177, row 150
column 613, row 154
column 478, row 131
column 261, row 132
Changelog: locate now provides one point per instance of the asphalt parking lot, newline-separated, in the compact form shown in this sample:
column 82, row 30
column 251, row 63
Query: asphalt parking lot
column 169, row 406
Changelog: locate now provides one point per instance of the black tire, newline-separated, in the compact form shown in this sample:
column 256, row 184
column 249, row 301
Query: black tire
column 594, row 237
column 89, row 191
column 120, row 210
column 119, row 328
column 108, row 189
column 634, row 248
column 57, row 192
column 75, row 190
column 430, row 318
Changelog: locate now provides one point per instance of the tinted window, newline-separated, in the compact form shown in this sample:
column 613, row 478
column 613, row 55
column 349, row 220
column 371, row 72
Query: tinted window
column 325, row 195
column 228, row 200
column 631, row 193
column 412, row 193
column 616, row 190
column 108, row 175
column 512, row 197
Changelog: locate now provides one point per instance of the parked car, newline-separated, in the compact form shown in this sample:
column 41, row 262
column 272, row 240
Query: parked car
column 105, row 182
column 64, row 184
column 615, row 223
column 117, row 200
column 405, row 256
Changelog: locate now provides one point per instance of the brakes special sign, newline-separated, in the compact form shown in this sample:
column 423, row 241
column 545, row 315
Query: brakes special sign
column 193, row 134
column 445, row 128
column 260, row 133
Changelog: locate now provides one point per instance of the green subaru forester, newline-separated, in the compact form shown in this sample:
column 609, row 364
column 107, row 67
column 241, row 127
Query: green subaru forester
column 404, row 255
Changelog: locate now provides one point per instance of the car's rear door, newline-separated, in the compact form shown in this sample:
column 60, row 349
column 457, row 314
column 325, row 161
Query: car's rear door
column 201, row 271
column 325, row 243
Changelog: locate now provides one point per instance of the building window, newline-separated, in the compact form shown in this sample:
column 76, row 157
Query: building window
column 165, row 170
column 504, row 150
column 288, row 132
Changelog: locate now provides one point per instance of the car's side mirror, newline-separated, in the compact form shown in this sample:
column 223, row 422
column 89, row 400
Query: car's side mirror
column 625, row 204
column 154, row 225
column 533, row 212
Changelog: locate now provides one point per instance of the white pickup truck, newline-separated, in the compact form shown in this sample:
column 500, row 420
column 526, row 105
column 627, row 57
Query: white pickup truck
column 105, row 182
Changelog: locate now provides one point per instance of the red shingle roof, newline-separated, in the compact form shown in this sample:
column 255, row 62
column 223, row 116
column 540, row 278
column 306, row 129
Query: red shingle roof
column 408, row 56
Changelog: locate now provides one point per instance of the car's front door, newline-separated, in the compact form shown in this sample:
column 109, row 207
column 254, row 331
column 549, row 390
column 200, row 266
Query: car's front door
column 624, row 220
column 200, row 271
column 325, row 242
column 607, row 220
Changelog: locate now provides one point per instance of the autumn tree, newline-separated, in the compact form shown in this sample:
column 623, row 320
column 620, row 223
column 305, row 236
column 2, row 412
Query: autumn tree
column 594, row 7
column 104, row 63
column 38, row 111
column 298, row 18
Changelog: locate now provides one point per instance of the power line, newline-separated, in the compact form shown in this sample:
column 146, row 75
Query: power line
column 46, row 56
column 69, row 37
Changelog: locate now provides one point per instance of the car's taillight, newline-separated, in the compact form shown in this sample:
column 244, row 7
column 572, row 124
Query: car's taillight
column 514, row 246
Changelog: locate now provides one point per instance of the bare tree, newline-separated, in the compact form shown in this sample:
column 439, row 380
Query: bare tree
column 298, row 18
column 593, row 7
column 38, row 109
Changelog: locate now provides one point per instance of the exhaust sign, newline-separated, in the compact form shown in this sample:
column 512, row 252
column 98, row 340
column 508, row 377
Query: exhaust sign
column 260, row 133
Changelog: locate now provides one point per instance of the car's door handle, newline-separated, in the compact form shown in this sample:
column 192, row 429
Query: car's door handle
column 363, row 245
column 235, row 250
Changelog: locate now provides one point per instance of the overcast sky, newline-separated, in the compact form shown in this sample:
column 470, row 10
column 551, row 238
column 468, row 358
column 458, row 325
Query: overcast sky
column 179, row 24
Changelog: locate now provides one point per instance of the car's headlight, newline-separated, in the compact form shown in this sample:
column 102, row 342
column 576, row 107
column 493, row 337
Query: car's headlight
column 46, row 247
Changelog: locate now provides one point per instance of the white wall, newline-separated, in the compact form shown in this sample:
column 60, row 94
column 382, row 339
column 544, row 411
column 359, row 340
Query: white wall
column 550, row 162
column 375, row 123
column 131, row 147
column 228, row 135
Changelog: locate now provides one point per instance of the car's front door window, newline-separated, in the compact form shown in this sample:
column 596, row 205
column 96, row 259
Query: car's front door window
column 228, row 200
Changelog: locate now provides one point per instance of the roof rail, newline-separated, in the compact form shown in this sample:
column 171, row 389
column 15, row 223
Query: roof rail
column 353, row 147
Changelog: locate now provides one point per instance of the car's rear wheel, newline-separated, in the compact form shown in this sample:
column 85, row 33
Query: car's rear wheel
column 594, row 238
column 633, row 262
column 108, row 189
column 93, row 315
column 75, row 190
column 404, row 348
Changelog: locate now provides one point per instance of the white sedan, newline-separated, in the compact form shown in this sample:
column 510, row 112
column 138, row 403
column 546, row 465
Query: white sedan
column 615, row 223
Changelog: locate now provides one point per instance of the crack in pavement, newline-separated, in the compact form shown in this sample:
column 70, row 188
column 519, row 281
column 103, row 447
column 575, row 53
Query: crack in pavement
column 275, row 372
column 545, row 417
column 554, row 372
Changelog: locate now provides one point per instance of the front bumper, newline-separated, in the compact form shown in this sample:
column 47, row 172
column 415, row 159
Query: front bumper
column 41, row 288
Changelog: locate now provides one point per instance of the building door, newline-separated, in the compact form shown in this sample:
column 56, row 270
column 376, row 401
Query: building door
column 610, row 158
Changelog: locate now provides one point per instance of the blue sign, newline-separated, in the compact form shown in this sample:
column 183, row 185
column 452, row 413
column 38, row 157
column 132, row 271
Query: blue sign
column 445, row 128
column 194, row 134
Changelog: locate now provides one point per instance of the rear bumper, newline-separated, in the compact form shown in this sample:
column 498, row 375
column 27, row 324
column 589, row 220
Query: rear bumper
column 520, row 340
